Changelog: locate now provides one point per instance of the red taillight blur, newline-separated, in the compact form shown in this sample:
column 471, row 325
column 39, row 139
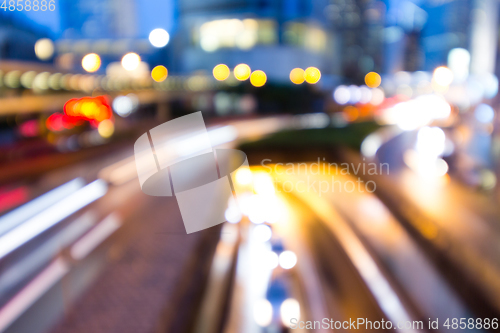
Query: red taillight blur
column 89, row 108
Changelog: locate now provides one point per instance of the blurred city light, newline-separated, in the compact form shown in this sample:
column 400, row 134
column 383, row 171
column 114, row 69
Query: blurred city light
column 366, row 95
column 373, row 80
column 221, row 72
column 131, row 61
column 41, row 81
column 27, row 79
column 351, row 113
column 489, row 82
column 312, row 75
column 263, row 312
column 50, row 216
column 258, row 78
column 290, row 309
column 431, row 141
column 271, row 259
column 288, row 259
column 233, row 214
column 442, row 76
column 58, row 122
column 417, row 112
column 484, row 113
column 229, row 33
column 106, row 128
column 354, row 94
column 458, row 63
column 55, row 81
column 297, row 75
column 488, row 179
column 91, row 62
column 44, row 49
column 371, row 144
column 263, row 184
column 425, row 165
column 123, row 105
column 262, row 233
column 88, row 108
column 242, row 72
column 243, row 176
column 159, row 73
column 378, row 96
column 159, row 37
column 13, row 79
column 341, row 95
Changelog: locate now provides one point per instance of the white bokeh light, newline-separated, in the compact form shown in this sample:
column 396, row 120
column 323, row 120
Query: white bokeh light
column 290, row 309
column 131, row 61
column 287, row 259
column 341, row 95
column 44, row 49
column 263, row 312
column 159, row 37
column 123, row 106
column 262, row 233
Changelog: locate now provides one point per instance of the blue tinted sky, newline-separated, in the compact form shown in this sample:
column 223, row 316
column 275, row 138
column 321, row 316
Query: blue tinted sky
column 151, row 14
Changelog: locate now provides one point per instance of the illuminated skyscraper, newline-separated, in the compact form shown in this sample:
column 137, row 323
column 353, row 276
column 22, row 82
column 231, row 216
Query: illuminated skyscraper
column 271, row 35
column 98, row 19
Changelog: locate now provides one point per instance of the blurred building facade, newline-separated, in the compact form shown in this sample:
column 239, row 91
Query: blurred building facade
column 272, row 35
column 17, row 38
column 99, row 19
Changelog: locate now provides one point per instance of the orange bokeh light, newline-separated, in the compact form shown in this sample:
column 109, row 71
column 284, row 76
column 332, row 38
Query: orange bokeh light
column 89, row 108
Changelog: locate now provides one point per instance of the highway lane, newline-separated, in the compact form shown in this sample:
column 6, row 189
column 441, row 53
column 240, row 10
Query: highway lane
column 460, row 223
column 114, row 173
column 355, row 223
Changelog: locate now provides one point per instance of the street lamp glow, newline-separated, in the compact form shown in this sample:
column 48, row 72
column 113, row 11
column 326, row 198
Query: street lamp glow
column 263, row 312
column 91, row 62
column 221, row 72
column 159, row 73
column 312, row 75
column 443, row 76
column 131, row 61
column 287, row 259
column 258, row 78
column 106, row 128
column 244, row 176
column 373, row 80
column 242, row 72
column 44, row 49
column 159, row 37
column 297, row 75
column 289, row 309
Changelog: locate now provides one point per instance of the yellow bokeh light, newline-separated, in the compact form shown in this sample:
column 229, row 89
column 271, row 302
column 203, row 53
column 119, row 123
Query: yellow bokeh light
column 258, row 78
column 297, row 75
column 242, row 72
column 244, row 176
column 221, row 72
column 443, row 76
column 131, row 61
column 106, row 128
column 159, row 73
column 373, row 80
column 312, row 75
column 91, row 62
